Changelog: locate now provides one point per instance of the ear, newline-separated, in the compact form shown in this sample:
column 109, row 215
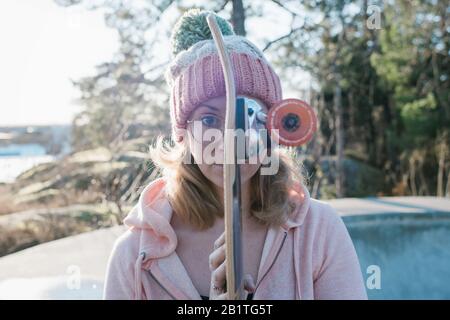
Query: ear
column 295, row 121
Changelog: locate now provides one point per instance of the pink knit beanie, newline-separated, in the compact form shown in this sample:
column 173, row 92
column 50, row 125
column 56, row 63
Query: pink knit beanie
column 195, row 74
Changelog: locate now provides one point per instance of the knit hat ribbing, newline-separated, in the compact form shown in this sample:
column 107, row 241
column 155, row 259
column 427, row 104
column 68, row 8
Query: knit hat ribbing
column 195, row 74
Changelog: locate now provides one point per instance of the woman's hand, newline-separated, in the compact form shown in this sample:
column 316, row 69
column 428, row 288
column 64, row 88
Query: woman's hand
column 217, row 265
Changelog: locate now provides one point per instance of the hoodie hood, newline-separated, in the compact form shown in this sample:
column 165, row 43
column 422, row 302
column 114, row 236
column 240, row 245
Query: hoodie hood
column 152, row 214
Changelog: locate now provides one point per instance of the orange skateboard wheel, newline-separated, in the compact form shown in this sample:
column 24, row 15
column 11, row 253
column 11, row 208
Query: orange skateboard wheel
column 295, row 120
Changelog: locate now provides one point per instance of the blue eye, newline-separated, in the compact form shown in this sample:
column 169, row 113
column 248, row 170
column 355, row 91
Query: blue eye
column 211, row 121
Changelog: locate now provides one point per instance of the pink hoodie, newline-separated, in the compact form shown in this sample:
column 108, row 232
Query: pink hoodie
column 310, row 257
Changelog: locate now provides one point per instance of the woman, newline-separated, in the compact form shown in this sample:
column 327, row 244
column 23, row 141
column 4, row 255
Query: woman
column 294, row 247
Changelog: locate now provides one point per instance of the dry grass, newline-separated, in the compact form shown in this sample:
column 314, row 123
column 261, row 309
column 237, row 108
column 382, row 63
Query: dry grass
column 42, row 228
column 11, row 201
column 7, row 204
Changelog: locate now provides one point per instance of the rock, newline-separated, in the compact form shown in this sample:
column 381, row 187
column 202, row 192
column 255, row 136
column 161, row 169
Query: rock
column 93, row 155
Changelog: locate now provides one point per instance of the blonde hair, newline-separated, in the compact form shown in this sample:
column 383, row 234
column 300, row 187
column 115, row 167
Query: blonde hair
column 193, row 196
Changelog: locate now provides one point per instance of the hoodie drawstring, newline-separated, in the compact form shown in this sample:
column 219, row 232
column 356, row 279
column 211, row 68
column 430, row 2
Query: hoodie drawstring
column 138, row 276
column 298, row 295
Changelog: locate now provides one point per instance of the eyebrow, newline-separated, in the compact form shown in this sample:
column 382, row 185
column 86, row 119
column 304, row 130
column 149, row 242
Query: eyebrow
column 208, row 106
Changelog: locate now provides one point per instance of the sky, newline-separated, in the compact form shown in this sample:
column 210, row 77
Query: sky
column 43, row 46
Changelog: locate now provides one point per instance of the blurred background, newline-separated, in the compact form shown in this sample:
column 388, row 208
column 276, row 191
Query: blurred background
column 83, row 94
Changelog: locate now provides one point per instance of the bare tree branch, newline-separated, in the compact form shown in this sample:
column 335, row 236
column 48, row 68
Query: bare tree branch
column 278, row 3
column 222, row 6
column 270, row 43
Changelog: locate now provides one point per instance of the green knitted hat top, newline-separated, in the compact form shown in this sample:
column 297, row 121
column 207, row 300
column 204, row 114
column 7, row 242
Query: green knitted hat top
column 192, row 27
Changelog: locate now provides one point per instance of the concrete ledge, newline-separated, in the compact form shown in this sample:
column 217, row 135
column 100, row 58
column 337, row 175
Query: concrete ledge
column 69, row 268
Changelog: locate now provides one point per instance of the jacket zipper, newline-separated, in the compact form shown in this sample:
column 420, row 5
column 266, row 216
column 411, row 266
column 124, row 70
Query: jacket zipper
column 160, row 284
column 273, row 262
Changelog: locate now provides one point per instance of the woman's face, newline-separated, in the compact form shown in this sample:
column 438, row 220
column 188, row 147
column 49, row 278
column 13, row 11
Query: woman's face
column 211, row 113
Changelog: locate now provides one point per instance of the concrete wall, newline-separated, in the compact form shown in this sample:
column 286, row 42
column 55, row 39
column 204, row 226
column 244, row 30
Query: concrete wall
column 412, row 253
column 409, row 240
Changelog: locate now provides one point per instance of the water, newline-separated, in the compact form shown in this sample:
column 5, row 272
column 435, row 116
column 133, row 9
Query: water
column 17, row 158
column 29, row 149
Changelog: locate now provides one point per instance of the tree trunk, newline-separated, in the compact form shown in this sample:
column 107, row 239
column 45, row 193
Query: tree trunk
column 441, row 170
column 339, row 138
column 238, row 18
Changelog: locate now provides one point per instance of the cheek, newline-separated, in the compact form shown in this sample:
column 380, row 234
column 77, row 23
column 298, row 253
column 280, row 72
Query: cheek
column 196, row 150
column 213, row 174
column 248, row 171
column 208, row 152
